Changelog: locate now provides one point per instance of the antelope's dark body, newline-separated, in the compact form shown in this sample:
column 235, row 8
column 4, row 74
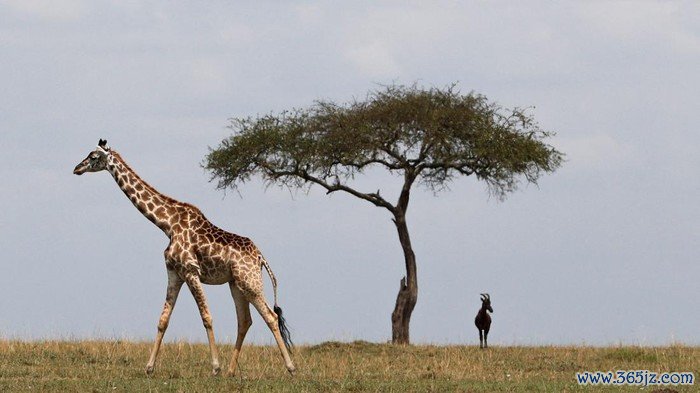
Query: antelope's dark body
column 483, row 320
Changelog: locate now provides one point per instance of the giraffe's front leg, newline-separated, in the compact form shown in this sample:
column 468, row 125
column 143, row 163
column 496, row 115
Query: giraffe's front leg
column 174, row 285
column 195, row 286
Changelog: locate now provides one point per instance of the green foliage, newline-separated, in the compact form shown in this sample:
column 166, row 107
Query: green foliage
column 427, row 135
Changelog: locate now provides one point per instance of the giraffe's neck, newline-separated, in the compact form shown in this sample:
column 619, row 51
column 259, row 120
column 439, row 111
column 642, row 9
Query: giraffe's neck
column 158, row 208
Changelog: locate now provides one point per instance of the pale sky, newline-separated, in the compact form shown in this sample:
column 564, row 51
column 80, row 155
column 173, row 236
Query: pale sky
column 604, row 251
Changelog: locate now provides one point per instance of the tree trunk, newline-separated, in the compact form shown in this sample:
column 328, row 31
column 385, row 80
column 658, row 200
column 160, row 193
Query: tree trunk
column 408, row 292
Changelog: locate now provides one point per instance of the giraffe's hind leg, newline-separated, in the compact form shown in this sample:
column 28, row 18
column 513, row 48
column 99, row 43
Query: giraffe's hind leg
column 244, row 322
column 271, row 319
column 252, row 288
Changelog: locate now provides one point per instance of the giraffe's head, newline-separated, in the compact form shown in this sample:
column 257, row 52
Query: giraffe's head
column 95, row 161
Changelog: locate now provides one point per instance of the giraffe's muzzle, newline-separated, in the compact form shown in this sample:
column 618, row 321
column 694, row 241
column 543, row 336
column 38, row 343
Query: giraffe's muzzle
column 79, row 169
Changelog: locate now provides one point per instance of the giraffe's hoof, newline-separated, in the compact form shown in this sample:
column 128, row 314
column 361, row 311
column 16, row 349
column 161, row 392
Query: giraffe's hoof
column 149, row 370
column 292, row 370
column 215, row 371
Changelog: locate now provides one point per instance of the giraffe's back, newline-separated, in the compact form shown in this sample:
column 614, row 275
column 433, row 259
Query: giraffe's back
column 221, row 256
column 225, row 256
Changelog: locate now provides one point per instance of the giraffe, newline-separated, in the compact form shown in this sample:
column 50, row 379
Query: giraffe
column 198, row 253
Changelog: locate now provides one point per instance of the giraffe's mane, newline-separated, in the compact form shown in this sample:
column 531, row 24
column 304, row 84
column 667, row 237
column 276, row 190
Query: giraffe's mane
column 145, row 183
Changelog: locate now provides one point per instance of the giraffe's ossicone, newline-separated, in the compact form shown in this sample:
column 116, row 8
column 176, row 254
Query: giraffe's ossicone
column 199, row 253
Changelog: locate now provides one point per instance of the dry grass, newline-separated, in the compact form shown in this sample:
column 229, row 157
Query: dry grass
column 359, row 366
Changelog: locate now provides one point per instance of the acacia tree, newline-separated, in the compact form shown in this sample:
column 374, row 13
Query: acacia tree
column 429, row 137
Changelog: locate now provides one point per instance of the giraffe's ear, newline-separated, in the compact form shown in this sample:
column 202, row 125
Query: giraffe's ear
column 103, row 144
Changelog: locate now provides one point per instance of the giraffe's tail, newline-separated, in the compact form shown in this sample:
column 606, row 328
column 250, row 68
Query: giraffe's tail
column 272, row 276
column 284, row 330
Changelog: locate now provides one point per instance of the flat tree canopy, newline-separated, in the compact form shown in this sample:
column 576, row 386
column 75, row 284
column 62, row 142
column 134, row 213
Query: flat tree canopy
column 428, row 136
column 436, row 133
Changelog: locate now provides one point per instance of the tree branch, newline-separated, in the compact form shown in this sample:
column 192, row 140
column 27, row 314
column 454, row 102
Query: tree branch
column 373, row 197
column 362, row 164
column 398, row 157
column 461, row 167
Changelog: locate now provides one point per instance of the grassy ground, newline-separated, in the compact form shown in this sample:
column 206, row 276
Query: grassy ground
column 359, row 366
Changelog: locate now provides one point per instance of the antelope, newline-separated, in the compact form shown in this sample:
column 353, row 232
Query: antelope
column 483, row 320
